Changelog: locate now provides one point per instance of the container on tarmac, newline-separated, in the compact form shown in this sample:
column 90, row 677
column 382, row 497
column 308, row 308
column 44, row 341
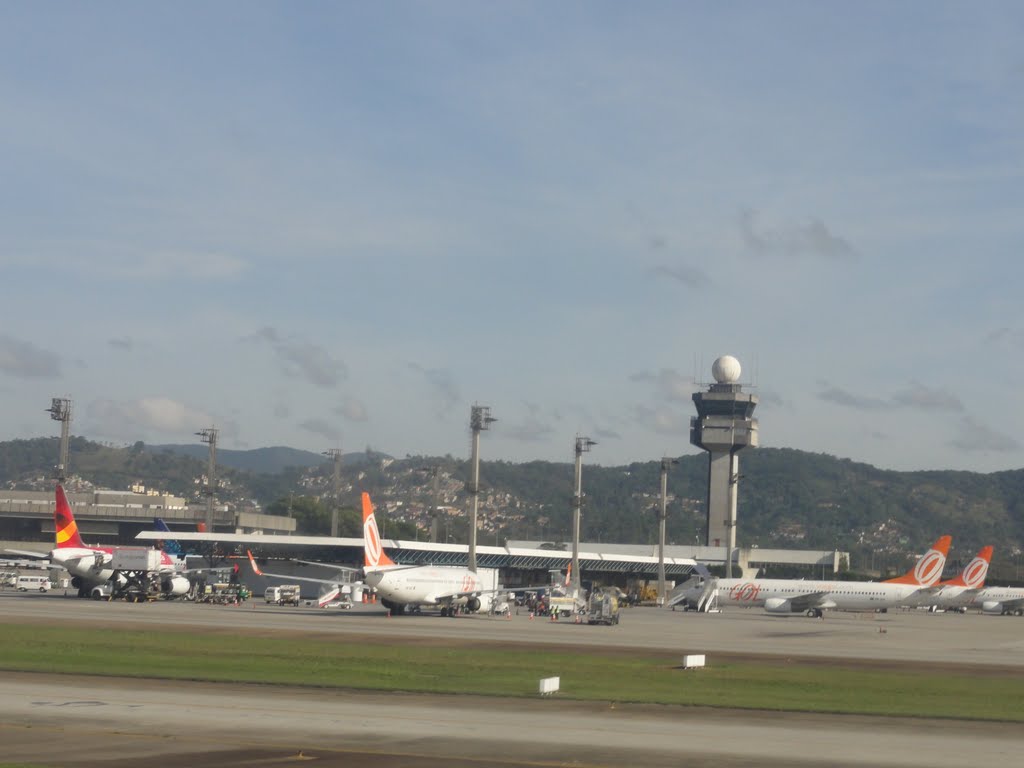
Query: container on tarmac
column 604, row 609
column 135, row 559
column 283, row 594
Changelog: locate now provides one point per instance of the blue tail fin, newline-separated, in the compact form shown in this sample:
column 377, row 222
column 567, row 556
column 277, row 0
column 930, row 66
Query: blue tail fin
column 171, row 547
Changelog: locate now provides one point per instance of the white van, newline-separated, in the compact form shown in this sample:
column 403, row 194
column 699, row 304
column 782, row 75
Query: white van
column 40, row 583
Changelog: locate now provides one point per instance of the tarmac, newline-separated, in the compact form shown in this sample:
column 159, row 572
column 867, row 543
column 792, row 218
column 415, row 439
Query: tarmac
column 81, row 721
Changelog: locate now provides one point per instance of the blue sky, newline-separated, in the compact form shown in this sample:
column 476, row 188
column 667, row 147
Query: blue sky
column 341, row 224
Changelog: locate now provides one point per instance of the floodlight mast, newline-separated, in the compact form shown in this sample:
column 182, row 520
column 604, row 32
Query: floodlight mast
column 60, row 410
column 334, row 454
column 434, row 472
column 210, row 436
column 479, row 419
column 583, row 445
column 666, row 463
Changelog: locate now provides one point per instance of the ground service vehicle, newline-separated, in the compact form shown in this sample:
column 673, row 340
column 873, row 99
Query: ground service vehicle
column 33, row 583
column 283, row 594
column 603, row 609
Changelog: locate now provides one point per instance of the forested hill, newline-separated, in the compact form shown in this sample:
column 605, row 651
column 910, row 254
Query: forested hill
column 787, row 498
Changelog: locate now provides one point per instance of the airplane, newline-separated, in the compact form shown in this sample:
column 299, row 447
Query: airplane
column 1000, row 601
column 568, row 599
column 408, row 588
column 957, row 593
column 337, row 589
column 91, row 567
column 811, row 597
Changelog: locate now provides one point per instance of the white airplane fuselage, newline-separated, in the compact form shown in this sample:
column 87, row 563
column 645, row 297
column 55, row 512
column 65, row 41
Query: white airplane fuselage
column 427, row 585
column 780, row 595
column 92, row 566
column 88, row 564
column 999, row 600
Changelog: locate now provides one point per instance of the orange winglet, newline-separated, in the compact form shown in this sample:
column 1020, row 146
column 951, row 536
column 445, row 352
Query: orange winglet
column 252, row 562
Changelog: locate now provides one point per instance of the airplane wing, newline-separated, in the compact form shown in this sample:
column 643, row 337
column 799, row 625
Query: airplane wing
column 291, row 577
column 27, row 554
column 342, row 568
column 331, row 588
column 1014, row 604
column 807, row 600
column 446, row 597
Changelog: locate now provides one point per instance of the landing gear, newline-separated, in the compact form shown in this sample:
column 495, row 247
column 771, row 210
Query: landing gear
column 813, row 613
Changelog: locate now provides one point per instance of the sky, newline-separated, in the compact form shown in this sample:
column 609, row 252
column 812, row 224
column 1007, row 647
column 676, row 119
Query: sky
column 341, row 225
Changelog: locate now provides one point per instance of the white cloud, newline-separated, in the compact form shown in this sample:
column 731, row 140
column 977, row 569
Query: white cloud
column 141, row 419
column 810, row 238
column 353, row 410
column 303, row 359
column 25, row 360
column 321, row 427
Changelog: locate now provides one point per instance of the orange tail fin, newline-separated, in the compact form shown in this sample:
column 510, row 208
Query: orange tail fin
column 928, row 569
column 64, row 525
column 373, row 553
column 973, row 576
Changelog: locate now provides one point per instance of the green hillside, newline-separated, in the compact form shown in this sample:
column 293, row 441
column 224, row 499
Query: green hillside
column 788, row 498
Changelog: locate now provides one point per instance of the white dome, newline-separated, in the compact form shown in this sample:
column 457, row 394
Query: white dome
column 726, row 370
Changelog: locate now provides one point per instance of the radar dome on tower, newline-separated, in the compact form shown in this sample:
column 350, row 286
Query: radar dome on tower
column 726, row 370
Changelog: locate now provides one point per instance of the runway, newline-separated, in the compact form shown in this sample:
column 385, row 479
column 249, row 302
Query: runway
column 916, row 637
column 80, row 721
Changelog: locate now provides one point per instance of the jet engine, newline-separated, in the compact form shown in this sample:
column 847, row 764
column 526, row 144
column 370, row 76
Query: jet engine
column 473, row 604
column 175, row 586
column 778, row 605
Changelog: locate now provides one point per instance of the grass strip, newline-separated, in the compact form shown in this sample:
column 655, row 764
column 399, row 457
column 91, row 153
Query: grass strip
column 590, row 675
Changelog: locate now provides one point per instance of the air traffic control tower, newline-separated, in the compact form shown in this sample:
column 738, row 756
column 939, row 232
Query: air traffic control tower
column 724, row 425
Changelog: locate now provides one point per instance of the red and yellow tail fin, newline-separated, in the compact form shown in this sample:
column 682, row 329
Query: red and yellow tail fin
column 373, row 553
column 973, row 575
column 64, row 525
column 928, row 569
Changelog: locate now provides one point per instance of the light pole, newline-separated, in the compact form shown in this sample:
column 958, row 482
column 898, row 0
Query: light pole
column 434, row 472
column 210, row 436
column 666, row 463
column 60, row 410
column 479, row 419
column 583, row 445
column 335, row 455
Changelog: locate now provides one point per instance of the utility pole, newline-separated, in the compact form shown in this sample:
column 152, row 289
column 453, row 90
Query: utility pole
column 60, row 410
column 583, row 445
column 665, row 464
column 434, row 472
column 479, row 419
column 335, row 455
column 210, row 436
